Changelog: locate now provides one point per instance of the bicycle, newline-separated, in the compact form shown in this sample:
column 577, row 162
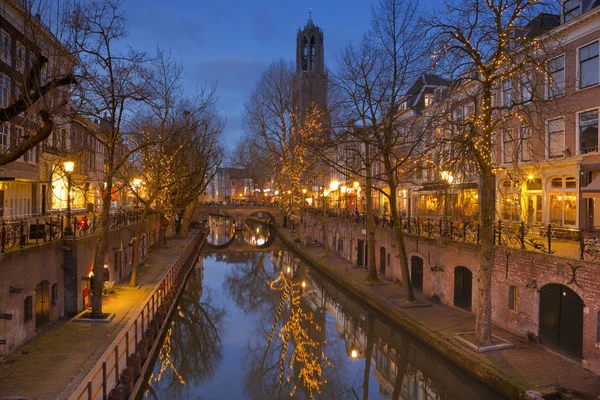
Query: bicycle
column 591, row 249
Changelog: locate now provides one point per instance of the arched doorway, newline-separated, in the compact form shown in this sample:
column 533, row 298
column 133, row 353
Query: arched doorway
column 382, row 260
column 42, row 305
column 416, row 272
column 561, row 319
column 463, row 283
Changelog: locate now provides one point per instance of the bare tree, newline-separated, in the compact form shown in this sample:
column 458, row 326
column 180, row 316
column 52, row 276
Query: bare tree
column 42, row 71
column 483, row 45
column 272, row 115
column 112, row 84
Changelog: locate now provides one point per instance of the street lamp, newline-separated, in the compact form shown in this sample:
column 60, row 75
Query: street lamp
column 69, row 166
column 137, row 183
column 325, row 193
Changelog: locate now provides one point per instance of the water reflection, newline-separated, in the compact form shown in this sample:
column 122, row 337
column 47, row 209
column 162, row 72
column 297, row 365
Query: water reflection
column 192, row 345
column 224, row 231
column 291, row 333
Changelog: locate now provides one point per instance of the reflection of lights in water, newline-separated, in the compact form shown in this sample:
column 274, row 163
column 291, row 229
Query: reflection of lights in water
column 354, row 353
column 303, row 284
column 289, row 270
column 260, row 242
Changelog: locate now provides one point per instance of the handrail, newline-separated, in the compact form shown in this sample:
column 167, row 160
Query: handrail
column 105, row 375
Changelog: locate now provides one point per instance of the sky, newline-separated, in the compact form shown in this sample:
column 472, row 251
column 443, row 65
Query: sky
column 230, row 42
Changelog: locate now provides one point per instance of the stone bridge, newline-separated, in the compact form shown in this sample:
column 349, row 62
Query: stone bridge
column 240, row 213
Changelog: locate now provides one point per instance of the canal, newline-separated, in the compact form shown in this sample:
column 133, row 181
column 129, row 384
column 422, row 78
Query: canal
column 255, row 322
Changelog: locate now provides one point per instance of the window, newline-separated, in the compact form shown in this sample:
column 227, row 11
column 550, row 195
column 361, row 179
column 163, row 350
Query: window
column 508, row 147
column 525, row 143
column 526, row 87
column 4, row 91
column 556, row 137
column 54, row 294
column 513, row 298
column 5, row 47
column 571, row 9
column 428, row 99
column 589, row 68
column 563, row 201
column 556, row 78
column 4, row 137
column 588, row 131
column 507, row 93
column 28, row 308
column 20, row 57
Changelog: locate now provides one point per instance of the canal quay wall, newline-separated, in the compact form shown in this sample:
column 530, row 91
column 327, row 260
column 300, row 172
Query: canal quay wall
column 42, row 283
column 513, row 268
column 120, row 371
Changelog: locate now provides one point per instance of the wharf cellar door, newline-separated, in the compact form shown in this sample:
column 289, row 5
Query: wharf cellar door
column 561, row 319
column 416, row 272
column 463, row 284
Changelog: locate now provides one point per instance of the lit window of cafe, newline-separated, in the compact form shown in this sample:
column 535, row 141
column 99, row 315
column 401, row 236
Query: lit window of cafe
column 563, row 201
column 510, row 199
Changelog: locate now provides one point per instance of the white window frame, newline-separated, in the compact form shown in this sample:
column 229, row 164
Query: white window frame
column 5, row 104
column 521, row 150
column 512, row 142
column 578, row 65
column 4, row 147
column 577, row 131
column 547, row 124
column 508, row 91
column 548, row 88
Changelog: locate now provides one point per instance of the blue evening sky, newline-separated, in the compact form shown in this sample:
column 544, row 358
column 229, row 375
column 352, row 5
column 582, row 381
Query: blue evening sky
column 232, row 41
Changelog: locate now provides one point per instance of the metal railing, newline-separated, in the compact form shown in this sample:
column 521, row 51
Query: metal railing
column 24, row 231
column 535, row 236
column 107, row 372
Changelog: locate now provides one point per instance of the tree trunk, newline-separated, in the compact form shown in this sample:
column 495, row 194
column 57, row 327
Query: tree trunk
column 100, row 252
column 188, row 214
column 162, row 231
column 483, row 316
column 136, row 248
column 407, row 290
column 371, row 261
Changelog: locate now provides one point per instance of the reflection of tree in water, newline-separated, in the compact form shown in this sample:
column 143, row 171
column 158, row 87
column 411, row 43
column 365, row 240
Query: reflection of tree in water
column 295, row 359
column 192, row 346
column 248, row 284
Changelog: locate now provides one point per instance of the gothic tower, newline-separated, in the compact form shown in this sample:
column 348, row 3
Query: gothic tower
column 310, row 67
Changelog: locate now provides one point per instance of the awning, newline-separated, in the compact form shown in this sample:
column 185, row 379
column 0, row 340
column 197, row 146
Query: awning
column 592, row 190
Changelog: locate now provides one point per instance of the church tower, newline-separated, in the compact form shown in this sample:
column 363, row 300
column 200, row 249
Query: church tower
column 310, row 67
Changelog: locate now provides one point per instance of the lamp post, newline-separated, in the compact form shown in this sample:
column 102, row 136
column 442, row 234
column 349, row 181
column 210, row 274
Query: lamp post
column 303, row 204
column 325, row 193
column 69, row 166
column 137, row 184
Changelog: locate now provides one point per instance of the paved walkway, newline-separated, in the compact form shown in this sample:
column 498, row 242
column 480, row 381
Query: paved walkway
column 527, row 366
column 52, row 364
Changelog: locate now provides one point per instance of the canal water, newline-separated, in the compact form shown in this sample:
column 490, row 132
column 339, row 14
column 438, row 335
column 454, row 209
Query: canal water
column 255, row 322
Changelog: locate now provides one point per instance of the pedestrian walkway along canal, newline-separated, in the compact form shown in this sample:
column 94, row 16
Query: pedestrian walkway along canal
column 264, row 325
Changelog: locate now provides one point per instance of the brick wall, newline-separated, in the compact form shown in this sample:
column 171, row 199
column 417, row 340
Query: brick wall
column 62, row 262
column 512, row 267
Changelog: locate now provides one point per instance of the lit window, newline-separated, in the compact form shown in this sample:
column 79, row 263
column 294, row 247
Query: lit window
column 556, row 137
column 589, row 68
column 556, row 77
column 588, row 131
column 428, row 99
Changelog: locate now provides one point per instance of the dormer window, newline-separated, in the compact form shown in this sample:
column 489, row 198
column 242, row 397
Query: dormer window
column 403, row 105
column 428, row 99
column 571, row 9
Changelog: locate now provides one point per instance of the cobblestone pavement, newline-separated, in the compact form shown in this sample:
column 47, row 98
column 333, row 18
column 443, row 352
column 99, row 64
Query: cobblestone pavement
column 51, row 365
column 528, row 366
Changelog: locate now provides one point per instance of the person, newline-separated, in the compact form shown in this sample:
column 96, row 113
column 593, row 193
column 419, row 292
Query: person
column 84, row 221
